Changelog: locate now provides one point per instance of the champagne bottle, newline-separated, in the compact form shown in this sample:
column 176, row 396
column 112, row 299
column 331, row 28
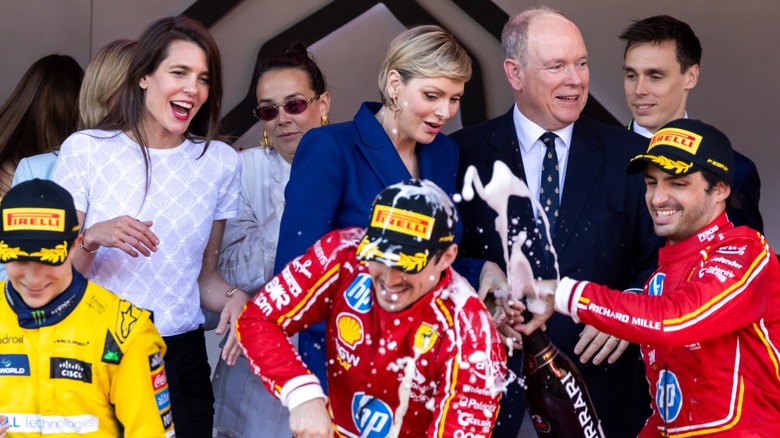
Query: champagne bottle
column 558, row 401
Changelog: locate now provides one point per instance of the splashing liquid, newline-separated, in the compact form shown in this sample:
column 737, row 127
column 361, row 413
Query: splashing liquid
column 558, row 400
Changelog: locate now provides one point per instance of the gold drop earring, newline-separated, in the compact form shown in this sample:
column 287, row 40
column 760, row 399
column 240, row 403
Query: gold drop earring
column 324, row 120
column 266, row 141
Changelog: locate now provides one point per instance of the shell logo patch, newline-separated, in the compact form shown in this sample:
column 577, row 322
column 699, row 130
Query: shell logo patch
column 34, row 219
column 425, row 338
column 678, row 138
column 402, row 221
column 350, row 330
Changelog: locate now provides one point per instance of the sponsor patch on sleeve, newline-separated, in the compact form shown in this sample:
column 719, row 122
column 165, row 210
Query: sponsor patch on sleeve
column 167, row 419
column 159, row 380
column 155, row 361
column 163, row 399
column 111, row 352
column 126, row 319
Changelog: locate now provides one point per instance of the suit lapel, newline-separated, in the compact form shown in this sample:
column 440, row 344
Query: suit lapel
column 378, row 150
column 586, row 157
column 507, row 149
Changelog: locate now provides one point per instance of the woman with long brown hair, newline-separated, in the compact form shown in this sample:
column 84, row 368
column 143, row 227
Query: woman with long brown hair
column 153, row 188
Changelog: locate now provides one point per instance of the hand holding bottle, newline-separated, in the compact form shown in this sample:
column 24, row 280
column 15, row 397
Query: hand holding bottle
column 540, row 302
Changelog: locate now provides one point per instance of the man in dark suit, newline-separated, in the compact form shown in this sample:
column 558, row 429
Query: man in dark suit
column 661, row 67
column 601, row 232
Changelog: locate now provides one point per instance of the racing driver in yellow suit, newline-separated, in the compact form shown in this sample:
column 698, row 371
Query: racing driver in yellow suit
column 75, row 359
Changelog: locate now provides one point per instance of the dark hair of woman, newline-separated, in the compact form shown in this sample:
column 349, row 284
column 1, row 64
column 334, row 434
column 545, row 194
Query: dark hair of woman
column 40, row 113
column 295, row 56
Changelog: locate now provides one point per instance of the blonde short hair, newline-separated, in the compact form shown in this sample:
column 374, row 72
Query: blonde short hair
column 424, row 52
column 103, row 78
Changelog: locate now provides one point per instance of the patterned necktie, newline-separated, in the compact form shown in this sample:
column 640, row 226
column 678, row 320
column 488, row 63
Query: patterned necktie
column 548, row 189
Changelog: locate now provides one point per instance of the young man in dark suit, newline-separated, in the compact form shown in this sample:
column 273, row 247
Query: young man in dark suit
column 661, row 67
column 601, row 230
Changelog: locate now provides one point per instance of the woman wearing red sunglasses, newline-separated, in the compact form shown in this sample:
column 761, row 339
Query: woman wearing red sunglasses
column 292, row 99
column 339, row 169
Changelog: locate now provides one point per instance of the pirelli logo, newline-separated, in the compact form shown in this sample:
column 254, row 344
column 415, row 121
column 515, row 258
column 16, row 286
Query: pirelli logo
column 34, row 219
column 402, row 221
column 678, row 138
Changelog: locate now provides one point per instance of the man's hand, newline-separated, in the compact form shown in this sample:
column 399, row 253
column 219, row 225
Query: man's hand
column 601, row 344
column 311, row 420
column 542, row 307
column 507, row 313
column 227, row 321
column 493, row 285
column 491, row 279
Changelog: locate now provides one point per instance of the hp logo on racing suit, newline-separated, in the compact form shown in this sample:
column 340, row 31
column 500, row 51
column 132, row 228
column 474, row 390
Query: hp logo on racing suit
column 668, row 396
column 358, row 294
column 373, row 417
column 656, row 286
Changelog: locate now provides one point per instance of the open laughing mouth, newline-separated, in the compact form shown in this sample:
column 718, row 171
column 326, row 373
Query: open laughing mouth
column 181, row 109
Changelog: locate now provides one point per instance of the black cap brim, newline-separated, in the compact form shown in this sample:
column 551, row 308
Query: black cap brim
column 49, row 252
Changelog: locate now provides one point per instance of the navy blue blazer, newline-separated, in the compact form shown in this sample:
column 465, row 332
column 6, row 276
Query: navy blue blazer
column 337, row 172
column 339, row 169
column 745, row 192
column 603, row 233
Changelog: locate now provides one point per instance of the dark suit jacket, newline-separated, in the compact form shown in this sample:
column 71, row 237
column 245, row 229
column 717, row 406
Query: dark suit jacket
column 603, row 234
column 337, row 172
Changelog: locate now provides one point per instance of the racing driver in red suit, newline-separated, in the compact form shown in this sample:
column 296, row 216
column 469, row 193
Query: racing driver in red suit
column 411, row 349
column 707, row 320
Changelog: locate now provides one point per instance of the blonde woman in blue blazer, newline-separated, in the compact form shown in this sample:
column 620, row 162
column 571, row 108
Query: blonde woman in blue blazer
column 339, row 169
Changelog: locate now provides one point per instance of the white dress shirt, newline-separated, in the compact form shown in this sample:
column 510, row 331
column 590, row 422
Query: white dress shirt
column 644, row 132
column 532, row 152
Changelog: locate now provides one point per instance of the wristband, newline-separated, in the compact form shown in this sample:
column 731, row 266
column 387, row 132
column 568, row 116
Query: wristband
column 81, row 244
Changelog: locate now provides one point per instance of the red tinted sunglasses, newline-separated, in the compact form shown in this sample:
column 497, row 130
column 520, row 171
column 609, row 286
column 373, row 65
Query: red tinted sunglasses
column 292, row 107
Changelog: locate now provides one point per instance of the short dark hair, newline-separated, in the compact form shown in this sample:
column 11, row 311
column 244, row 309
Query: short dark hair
column 662, row 28
column 295, row 56
column 734, row 200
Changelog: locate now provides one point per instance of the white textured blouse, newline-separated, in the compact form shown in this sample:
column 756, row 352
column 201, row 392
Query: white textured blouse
column 105, row 173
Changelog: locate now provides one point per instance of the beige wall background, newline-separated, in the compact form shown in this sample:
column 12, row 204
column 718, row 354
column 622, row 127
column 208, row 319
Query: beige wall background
column 736, row 91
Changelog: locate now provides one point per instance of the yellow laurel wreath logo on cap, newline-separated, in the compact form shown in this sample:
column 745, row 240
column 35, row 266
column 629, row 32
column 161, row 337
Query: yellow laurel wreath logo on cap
column 679, row 167
column 8, row 253
column 367, row 251
column 56, row 255
column 412, row 263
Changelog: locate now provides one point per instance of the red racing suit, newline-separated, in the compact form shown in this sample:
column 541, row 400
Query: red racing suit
column 459, row 363
column 707, row 321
